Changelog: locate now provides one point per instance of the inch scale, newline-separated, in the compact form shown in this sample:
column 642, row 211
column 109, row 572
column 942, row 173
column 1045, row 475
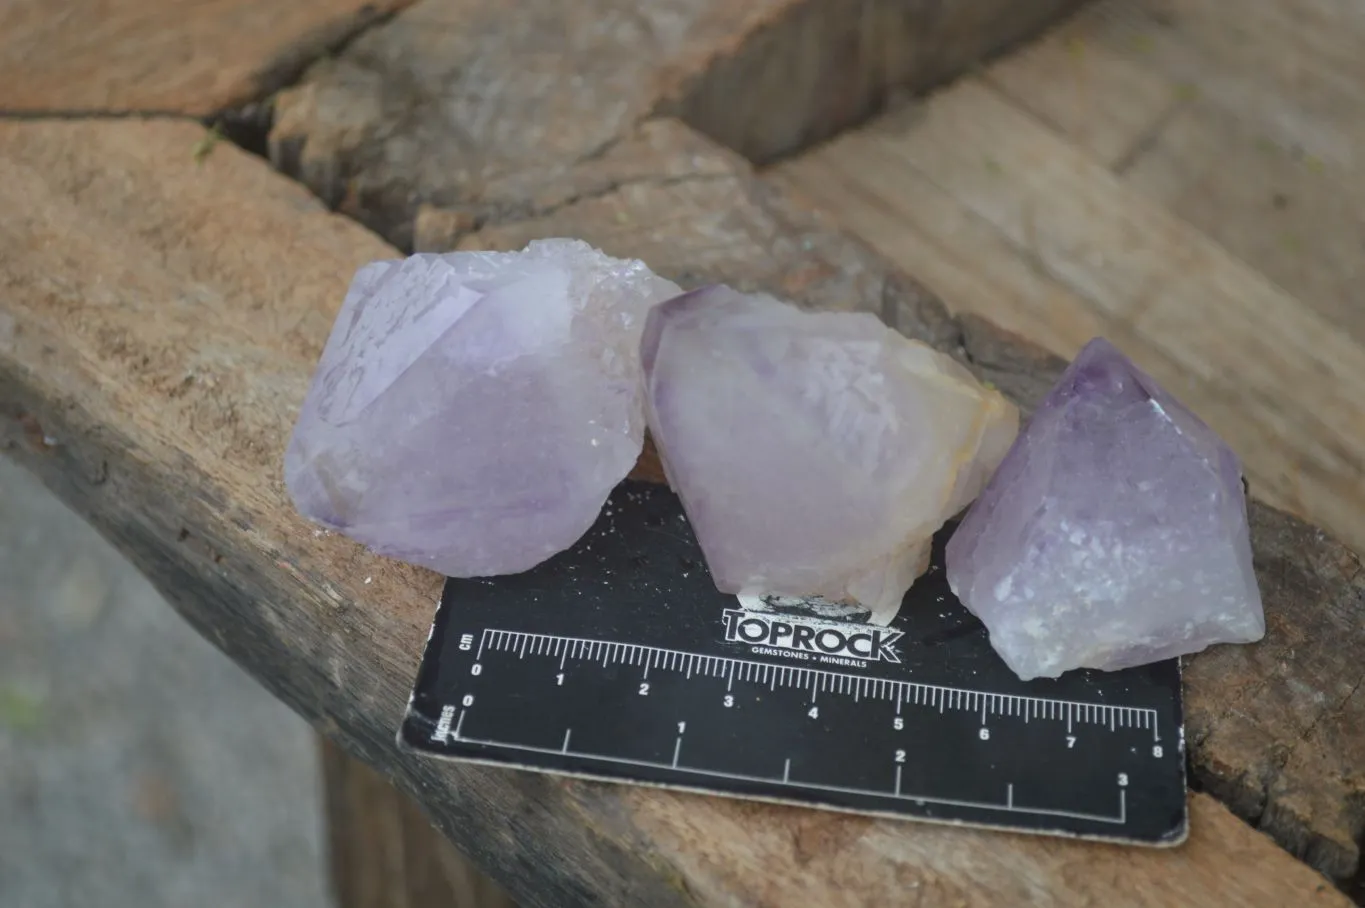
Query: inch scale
column 619, row 660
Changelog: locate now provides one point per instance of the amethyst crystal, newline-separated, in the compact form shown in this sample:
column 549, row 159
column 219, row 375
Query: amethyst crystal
column 815, row 452
column 1114, row 533
column 472, row 411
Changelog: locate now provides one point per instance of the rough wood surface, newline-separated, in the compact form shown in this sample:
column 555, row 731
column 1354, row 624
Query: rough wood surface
column 1251, row 130
column 153, row 353
column 168, row 56
column 484, row 114
column 384, row 852
column 1100, row 256
column 1106, row 180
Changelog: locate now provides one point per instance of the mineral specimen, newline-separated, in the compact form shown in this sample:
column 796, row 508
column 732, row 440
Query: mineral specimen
column 1114, row 533
column 815, row 453
column 472, row 411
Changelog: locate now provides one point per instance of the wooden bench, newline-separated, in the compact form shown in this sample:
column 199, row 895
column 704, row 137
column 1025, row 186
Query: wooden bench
column 163, row 301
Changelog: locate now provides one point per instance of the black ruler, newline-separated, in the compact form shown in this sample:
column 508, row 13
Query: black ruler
column 620, row 660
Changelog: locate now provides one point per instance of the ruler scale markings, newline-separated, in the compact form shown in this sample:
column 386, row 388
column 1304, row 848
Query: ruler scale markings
column 1093, row 800
column 990, row 703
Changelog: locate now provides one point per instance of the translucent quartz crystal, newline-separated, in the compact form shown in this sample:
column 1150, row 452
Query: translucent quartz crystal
column 1114, row 533
column 815, row 452
column 472, row 411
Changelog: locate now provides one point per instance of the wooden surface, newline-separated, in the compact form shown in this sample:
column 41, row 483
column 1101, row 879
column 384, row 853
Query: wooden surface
column 152, row 354
column 1192, row 188
column 473, row 112
column 384, row 852
column 161, row 310
column 164, row 56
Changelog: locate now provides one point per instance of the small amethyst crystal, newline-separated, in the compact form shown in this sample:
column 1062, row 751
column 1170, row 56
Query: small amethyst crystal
column 472, row 411
column 816, row 453
column 1114, row 533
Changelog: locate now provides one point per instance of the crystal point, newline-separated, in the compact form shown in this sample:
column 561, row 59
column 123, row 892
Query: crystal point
column 472, row 411
column 815, row 452
column 1113, row 534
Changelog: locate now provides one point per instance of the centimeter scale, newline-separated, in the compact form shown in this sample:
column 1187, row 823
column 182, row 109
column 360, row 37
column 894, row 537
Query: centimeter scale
column 620, row 660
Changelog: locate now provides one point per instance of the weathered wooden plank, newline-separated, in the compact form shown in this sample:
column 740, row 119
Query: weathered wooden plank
column 152, row 354
column 1167, row 102
column 486, row 113
column 169, row 56
column 1195, row 313
column 1024, row 227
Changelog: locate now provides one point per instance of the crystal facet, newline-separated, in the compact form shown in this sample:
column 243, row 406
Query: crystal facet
column 815, row 452
column 1114, row 533
column 472, row 411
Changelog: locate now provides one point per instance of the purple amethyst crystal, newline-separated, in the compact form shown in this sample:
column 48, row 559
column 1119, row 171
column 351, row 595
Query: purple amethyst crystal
column 472, row 411
column 1113, row 534
column 816, row 453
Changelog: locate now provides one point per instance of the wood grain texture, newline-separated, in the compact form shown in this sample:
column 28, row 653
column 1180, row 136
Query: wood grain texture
column 384, row 852
column 169, row 56
column 816, row 68
column 1253, row 141
column 483, row 113
column 153, row 354
column 1066, row 192
column 1291, row 401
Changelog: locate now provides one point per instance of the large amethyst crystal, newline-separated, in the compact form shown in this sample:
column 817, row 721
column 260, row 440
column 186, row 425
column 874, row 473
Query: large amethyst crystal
column 472, row 411
column 1114, row 533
